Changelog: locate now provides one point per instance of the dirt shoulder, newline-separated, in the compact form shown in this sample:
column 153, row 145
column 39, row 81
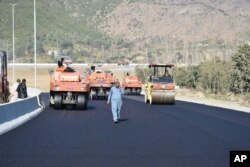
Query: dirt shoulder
column 238, row 103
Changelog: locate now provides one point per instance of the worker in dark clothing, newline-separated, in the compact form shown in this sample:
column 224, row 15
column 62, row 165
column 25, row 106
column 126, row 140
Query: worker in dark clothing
column 22, row 89
column 17, row 88
column 69, row 68
column 167, row 75
column 60, row 62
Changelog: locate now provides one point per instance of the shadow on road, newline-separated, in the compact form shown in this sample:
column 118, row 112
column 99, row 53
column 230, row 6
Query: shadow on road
column 123, row 120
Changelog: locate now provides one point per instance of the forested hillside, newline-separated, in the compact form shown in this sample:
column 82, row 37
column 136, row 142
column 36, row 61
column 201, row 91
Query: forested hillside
column 139, row 31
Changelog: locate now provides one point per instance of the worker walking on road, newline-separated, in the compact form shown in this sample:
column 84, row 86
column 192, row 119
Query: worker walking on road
column 115, row 96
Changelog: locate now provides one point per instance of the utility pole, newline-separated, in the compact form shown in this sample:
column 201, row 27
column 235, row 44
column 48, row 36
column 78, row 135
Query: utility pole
column 146, row 58
column 175, row 58
column 13, row 40
column 35, row 40
column 57, row 50
column 102, row 53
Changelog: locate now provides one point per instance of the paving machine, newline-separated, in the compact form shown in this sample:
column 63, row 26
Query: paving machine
column 100, row 83
column 67, row 88
column 132, row 85
column 160, row 86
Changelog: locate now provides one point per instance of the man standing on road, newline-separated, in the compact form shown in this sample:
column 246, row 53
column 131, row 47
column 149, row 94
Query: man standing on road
column 14, row 90
column 18, row 88
column 115, row 96
column 22, row 89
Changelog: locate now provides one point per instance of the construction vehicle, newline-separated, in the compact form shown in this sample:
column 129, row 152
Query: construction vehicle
column 160, row 86
column 4, row 84
column 67, row 87
column 132, row 85
column 100, row 83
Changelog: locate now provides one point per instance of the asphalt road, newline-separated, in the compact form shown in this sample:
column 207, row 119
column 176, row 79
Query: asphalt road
column 180, row 135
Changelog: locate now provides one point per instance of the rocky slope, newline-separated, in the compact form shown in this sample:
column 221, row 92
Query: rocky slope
column 189, row 20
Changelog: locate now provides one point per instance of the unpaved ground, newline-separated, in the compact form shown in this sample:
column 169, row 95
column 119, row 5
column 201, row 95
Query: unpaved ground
column 236, row 103
column 43, row 77
column 43, row 80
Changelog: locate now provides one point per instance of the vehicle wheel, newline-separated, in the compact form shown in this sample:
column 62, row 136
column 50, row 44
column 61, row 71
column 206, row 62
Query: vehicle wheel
column 86, row 103
column 127, row 90
column 81, row 102
column 93, row 97
column 146, row 98
column 107, row 95
column 58, row 101
column 50, row 105
column 150, row 100
column 138, row 91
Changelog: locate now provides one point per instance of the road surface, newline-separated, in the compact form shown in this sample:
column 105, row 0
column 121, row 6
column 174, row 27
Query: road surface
column 180, row 135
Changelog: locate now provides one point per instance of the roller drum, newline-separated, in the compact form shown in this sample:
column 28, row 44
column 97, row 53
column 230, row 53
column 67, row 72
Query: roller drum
column 162, row 97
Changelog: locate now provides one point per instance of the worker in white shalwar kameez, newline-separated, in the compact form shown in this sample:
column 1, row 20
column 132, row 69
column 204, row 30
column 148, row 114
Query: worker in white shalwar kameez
column 115, row 96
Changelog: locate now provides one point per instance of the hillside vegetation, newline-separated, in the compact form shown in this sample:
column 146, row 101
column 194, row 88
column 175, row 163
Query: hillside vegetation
column 189, row 20
column 139, row 31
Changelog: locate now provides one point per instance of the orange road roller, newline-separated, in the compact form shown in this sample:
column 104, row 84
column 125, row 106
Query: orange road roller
column 67, row 88
column 160, row 88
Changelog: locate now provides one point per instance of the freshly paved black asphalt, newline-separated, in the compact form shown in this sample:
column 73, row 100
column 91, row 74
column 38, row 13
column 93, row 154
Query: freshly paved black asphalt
column 180, row 135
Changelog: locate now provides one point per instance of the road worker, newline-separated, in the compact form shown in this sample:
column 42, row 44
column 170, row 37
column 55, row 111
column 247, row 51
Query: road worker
column 18, row 88
column 115, row 97
column 22, row 89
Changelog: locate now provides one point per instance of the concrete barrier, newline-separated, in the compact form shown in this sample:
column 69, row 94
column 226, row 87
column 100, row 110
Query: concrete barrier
column 31, row 92
column 18, row 112
column 12, row 111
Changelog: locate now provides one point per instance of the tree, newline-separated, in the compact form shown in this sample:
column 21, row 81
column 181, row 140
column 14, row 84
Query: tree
column 187, row 78
column 180, row 76
column 240, row 78
column 215, row 76
column 143, row 73
column 67, row 45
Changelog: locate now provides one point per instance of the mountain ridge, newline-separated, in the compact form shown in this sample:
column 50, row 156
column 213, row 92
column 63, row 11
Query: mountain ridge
column 128, row 29
column 227, row 20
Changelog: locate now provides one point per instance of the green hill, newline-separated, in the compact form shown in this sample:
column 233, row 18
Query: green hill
column 135, row 30
column 60, row 23
column 54, row 20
